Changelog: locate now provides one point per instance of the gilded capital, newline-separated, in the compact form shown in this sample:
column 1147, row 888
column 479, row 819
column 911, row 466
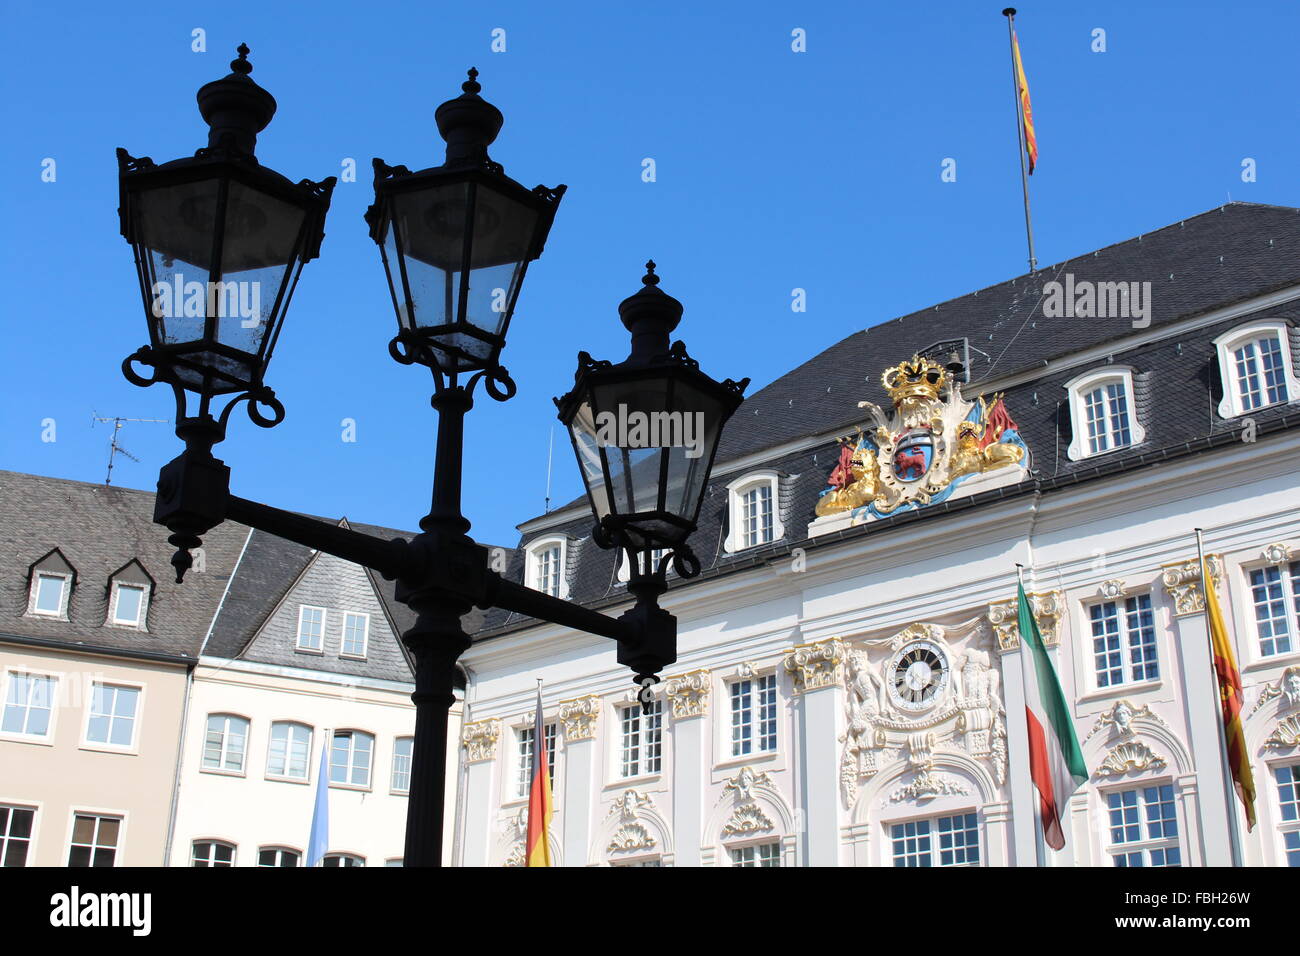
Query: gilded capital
column 479, row 738
column 1048, row 608
column 580, row 717
column 689, row 694
column 1183, row 582
column 815, row 665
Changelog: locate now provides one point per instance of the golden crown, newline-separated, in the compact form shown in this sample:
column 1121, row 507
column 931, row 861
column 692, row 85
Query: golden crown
column 914, row 378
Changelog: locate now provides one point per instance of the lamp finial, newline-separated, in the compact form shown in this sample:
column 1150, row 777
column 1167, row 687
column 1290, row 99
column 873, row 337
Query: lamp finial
column 650, row 278
column 241, row 65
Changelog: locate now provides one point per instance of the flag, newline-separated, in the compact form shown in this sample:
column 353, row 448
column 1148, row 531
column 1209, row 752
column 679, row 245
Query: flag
column 538, row 847
column 319, row 841
column 1055, row 760
column 1229, row 678
column 1026, row 111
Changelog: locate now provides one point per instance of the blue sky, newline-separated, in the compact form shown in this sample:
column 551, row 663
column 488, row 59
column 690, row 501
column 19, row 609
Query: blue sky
column 775, row 170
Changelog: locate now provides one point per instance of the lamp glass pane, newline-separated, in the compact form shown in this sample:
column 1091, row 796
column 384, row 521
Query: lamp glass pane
column 583, row 432
column 428, row 231
column 174, row 230
column 688, row 464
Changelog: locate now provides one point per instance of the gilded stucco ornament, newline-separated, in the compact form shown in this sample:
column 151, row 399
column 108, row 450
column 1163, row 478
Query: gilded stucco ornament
column 1048, row 608
column 1285, row 735
column 1118, row 720
column 1287, row 688
column 1131, row 756
column 631, row 834
column 1183, row 582
column 816, row 665
column 931, row 441
column 689, row 694
column 479, row 739
column 580, row 716
column 1278, row 553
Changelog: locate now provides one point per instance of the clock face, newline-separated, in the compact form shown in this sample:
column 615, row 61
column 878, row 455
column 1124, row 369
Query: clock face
column 917, row 675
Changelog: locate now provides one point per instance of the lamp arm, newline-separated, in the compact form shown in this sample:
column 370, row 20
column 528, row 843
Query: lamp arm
column 512, row 596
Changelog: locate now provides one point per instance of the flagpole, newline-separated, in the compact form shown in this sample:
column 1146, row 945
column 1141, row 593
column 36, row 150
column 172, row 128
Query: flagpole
column 1010, row 14
column 1234, row 838
column 1040, row 854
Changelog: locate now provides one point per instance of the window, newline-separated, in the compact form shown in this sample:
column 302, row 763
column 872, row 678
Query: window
column 524, row 768
column 395, row 861
column 311, row 628
column 943, row 841
column 278, row 856
column 356, row 629
column 1124, row 644
column 1288, row 799
column 753, row 715
column 48, row 594
column 289, row 750
column 752, row 512
column 28, row 705
column 112, row 715
column 15, row 834
column 224, row 743
column 1255, row 362
column 1101, row 410
column 1272, row 589
column 350, row 758
column 94, row 840
column 343, row 859
column 128, row 606
column 402, row 764
column 642, row 740
column 212, row 853
column 544, row 562
column 625, row 568
column 653, row 861
column 1144, row 827
column 759, row 854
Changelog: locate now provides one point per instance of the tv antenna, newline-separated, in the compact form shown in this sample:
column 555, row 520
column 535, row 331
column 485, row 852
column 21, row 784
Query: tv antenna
column 114, row 447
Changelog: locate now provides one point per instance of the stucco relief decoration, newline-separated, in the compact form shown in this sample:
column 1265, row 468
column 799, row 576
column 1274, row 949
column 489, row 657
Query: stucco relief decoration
column 1183, row 582
column 1285, row 735
column 923, row 449
column 579, row 717
column 1118, row 721
column 1048, row 608
column 1112, row 589
column 747, row 818
column 1131, row 756
column 479, row 739
column 968, row 716
column 689, row 694
column 1277, row 553
column 1287, row 688
column 812, row 666
column 631, row 834
column 517, row 835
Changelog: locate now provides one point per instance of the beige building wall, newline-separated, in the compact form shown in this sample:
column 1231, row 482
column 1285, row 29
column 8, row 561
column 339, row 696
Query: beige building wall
column 62, row 773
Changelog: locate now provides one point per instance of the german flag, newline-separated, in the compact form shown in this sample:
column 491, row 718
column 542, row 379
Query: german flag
column 539, row 796
column 1026, row 111
column 1229, row 678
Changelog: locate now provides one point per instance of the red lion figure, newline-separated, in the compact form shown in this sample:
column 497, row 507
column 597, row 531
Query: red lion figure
column 909, row 462
column 842, row 476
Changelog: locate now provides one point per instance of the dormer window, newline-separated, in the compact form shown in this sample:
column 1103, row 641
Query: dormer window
column 1255, row 361
column 50, row 583
column 544, row 566
column 1101, row 410
column 128, row 596
column 753, row 512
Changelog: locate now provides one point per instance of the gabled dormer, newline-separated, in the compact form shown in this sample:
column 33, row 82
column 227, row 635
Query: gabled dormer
column 50, row 580
column 130, row 588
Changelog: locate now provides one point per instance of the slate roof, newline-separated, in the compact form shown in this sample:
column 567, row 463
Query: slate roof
column 99, row 528
column 1232, row 253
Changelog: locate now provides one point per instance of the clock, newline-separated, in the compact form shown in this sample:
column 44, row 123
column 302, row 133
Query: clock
column 918, row 674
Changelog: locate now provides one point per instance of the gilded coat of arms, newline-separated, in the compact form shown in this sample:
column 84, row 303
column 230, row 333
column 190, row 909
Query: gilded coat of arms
column 933, row 441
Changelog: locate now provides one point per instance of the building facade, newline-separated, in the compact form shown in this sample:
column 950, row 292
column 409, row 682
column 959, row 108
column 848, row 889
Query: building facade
column 848, row 690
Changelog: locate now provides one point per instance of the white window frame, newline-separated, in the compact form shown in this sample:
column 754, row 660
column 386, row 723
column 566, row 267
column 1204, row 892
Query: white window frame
column 225, row 749
column 136, row 719
column 7, row 839
column 736, row 491
column 324, row 621
column 344, row 859
column 65, row 594
column 523, row 756
column 532, row 560
column 410, row 757
column 936, row 844
column 213, row 843
column 1284, row 826
column 735, row 849
column 1079, row 388
column 365, row 636
column 115, row 597
column 290, row 726
column 1145, row 843
column 351, row 764
column 1288, row 580
column 757, row 750
column 1126, row 682
column 48, row 736
column 619, row 740
column 1231, row 406
column 279, row 850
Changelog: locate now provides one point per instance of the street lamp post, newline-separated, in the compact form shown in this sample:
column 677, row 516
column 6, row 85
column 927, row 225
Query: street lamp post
column 455, row 241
